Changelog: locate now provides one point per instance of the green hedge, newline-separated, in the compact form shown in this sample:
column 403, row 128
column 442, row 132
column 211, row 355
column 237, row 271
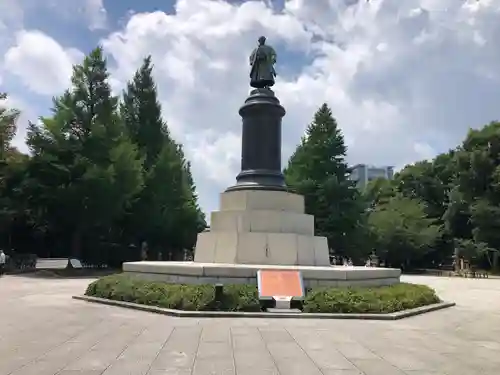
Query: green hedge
column 245, row 297
column 175, row 296
column 386, row 299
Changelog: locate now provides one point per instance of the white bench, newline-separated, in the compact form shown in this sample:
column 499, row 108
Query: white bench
column 56, row 263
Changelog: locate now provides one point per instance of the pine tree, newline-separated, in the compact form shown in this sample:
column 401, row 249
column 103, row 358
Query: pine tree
column 85, row 168
column 318, row 170
column 321, row 152
column 141, row 113
column 166, row 213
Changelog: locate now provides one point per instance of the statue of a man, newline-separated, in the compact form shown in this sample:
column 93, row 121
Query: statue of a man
column 262, row 62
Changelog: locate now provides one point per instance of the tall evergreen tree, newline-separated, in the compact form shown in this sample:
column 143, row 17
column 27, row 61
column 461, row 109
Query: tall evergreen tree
column 317, row 169
column 84, row 167
column 141, row 113
column 166, row 213
column 11, row 170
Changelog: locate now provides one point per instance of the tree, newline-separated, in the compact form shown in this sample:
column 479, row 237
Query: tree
column 84, row 167
column 12, row 169
column 421, row 182
column 431, row 183
column 485, row 219
column 472, row 213
column 141, row 113
column 317, row 170
column 473, row 251
column 402, row 230
column 8, row 118
column 378, row 191
column 477, row 161
column 166, row 212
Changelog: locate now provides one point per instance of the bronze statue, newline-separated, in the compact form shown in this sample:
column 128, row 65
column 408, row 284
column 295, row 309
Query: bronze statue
column 262, row 62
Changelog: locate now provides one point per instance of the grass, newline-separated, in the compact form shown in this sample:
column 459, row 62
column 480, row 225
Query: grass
column 385, row 299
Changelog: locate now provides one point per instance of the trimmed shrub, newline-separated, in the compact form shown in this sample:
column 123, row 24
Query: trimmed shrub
column 386, row 299
column 237, row 297
column 175, row 296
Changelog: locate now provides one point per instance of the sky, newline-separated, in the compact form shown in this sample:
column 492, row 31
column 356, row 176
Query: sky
column 405, row 79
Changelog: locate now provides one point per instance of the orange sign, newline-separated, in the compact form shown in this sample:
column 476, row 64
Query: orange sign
column 280, row 283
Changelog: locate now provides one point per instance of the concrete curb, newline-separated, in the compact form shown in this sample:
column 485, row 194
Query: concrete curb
column 237, row 314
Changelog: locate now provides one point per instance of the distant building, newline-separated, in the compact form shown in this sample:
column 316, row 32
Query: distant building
column 363, row 174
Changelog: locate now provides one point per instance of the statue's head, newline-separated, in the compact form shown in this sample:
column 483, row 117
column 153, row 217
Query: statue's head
column 262, row 40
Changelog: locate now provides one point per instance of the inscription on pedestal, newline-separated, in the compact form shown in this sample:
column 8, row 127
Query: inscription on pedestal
column 280, row 283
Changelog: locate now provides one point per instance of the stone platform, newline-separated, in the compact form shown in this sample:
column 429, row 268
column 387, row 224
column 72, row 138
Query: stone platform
column 212, row 273
column 262, row 227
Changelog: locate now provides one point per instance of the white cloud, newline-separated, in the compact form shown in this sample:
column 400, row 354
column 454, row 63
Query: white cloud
column 218, row 153
column 41, row 63
column 96, row 14
column 405, row 79
column 91, row 12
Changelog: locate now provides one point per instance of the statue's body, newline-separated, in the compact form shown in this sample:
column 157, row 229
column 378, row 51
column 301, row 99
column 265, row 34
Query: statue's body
column 262, row 62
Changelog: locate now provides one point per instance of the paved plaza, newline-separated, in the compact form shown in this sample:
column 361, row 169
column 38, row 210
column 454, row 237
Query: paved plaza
column 44, row 332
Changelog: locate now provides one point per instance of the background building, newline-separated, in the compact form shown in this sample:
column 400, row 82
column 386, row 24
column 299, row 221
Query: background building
column 364, row 173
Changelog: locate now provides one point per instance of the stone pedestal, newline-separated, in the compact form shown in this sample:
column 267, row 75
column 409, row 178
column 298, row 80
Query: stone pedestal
column 259, row 224
column 262, row 227
column 261, row 143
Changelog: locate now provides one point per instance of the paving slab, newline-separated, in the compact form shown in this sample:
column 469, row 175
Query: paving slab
column 46, row 332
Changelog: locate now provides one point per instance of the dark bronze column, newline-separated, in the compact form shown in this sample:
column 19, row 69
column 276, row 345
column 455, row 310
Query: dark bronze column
column 261, row 143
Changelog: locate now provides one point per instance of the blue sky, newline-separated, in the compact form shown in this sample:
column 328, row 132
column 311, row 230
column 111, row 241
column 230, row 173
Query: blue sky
column 70, row 31
column 405, row 79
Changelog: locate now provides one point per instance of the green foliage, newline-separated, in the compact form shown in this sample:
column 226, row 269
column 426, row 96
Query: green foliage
column 84, row 166
column 318, row 171
column 321, row 152
column 402, row 230
column 245, row 297
column 102, row 176
column 7, row 131
column 141, row 113
column 472, row 215
column 385, row 299
column 175, row 296
column 166, row 212
column 16, row 212
column 379, row 191
column 473, row 250
column 420, row 181
column 8, row 118
column 485, row 219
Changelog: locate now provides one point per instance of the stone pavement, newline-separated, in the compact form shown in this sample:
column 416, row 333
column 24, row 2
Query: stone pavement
column 44, row 332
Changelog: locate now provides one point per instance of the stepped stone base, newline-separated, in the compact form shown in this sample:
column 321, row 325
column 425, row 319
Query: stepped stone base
column 262, row 227
column 261, row 248
column 212, row 273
